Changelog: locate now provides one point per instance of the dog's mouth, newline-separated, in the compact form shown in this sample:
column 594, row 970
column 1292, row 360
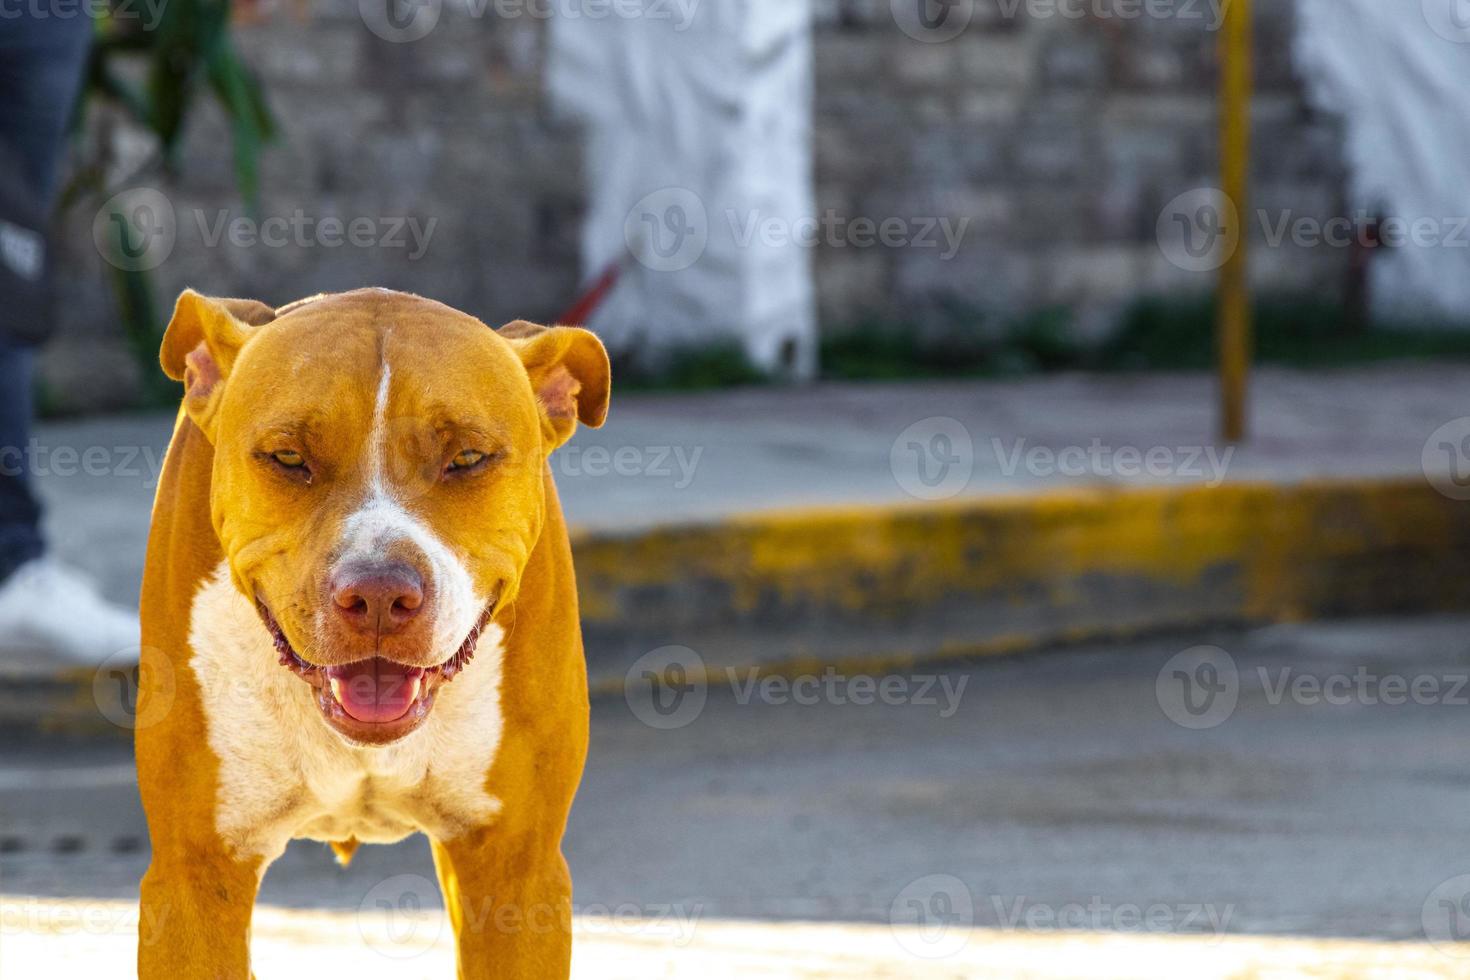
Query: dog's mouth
column 377, row 700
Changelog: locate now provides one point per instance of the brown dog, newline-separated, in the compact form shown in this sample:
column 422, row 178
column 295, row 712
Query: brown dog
column 360, row 619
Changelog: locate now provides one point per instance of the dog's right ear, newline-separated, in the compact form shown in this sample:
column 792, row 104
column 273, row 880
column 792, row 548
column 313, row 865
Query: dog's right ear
column 200, row 346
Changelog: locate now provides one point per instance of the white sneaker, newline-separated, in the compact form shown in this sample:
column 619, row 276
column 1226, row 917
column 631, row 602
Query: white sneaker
column 47, row 607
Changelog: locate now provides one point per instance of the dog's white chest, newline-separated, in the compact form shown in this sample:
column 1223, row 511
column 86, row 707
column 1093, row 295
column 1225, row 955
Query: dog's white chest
column 284, row 774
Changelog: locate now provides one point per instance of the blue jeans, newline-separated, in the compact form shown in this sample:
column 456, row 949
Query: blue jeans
column 41, row 66
column 20, row 514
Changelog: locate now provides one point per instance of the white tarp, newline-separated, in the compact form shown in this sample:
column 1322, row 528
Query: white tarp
column 1398, row 71
column 699, row 164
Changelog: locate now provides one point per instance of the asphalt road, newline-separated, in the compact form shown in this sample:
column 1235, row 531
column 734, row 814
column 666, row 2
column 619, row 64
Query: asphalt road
column 1052, row 791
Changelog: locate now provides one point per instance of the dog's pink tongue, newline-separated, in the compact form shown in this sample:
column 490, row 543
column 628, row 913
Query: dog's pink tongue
column 375, row 690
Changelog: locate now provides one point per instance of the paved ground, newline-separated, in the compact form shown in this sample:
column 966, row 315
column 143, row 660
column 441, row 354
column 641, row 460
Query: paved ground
column 699, row 457
column 296, row 944
column 1051, row 791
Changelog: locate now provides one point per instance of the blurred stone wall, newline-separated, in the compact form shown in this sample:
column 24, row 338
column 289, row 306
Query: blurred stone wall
column 1019, row 164
column 451, row 129
column 1063, row 138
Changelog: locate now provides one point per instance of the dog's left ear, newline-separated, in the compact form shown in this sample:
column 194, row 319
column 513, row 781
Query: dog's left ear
column 569, row 372
column 200, row 346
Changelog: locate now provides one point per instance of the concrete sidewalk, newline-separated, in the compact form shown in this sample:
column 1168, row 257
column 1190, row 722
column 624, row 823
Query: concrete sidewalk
column 59, row 943
column 668, row 459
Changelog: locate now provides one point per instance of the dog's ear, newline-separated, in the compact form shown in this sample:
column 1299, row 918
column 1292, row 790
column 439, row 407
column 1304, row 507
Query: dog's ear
column 569, row 372
column 200, row 346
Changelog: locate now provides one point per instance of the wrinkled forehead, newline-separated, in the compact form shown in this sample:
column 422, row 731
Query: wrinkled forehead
column 340, row 361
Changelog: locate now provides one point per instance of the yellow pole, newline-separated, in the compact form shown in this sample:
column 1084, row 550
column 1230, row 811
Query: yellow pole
column 1233, row 331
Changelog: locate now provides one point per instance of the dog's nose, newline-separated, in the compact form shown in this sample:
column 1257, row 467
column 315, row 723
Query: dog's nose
column 378, row 599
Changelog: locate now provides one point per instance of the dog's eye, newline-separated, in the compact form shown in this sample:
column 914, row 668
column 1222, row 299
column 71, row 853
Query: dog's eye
column 288, row 463
column 466, row 460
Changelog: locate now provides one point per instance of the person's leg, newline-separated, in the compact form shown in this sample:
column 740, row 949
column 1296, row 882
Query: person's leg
column 42, row 60
column 43, row 605
column 20, row 515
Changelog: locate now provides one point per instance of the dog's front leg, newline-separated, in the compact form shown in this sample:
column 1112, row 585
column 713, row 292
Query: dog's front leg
column 194, row 917
column 510, row 902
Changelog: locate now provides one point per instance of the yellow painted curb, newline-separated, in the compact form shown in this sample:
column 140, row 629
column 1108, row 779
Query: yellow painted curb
column 882, row 588
column 1012, row 572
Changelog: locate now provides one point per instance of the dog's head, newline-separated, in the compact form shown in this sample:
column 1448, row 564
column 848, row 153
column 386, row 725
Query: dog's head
column 379, row 478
